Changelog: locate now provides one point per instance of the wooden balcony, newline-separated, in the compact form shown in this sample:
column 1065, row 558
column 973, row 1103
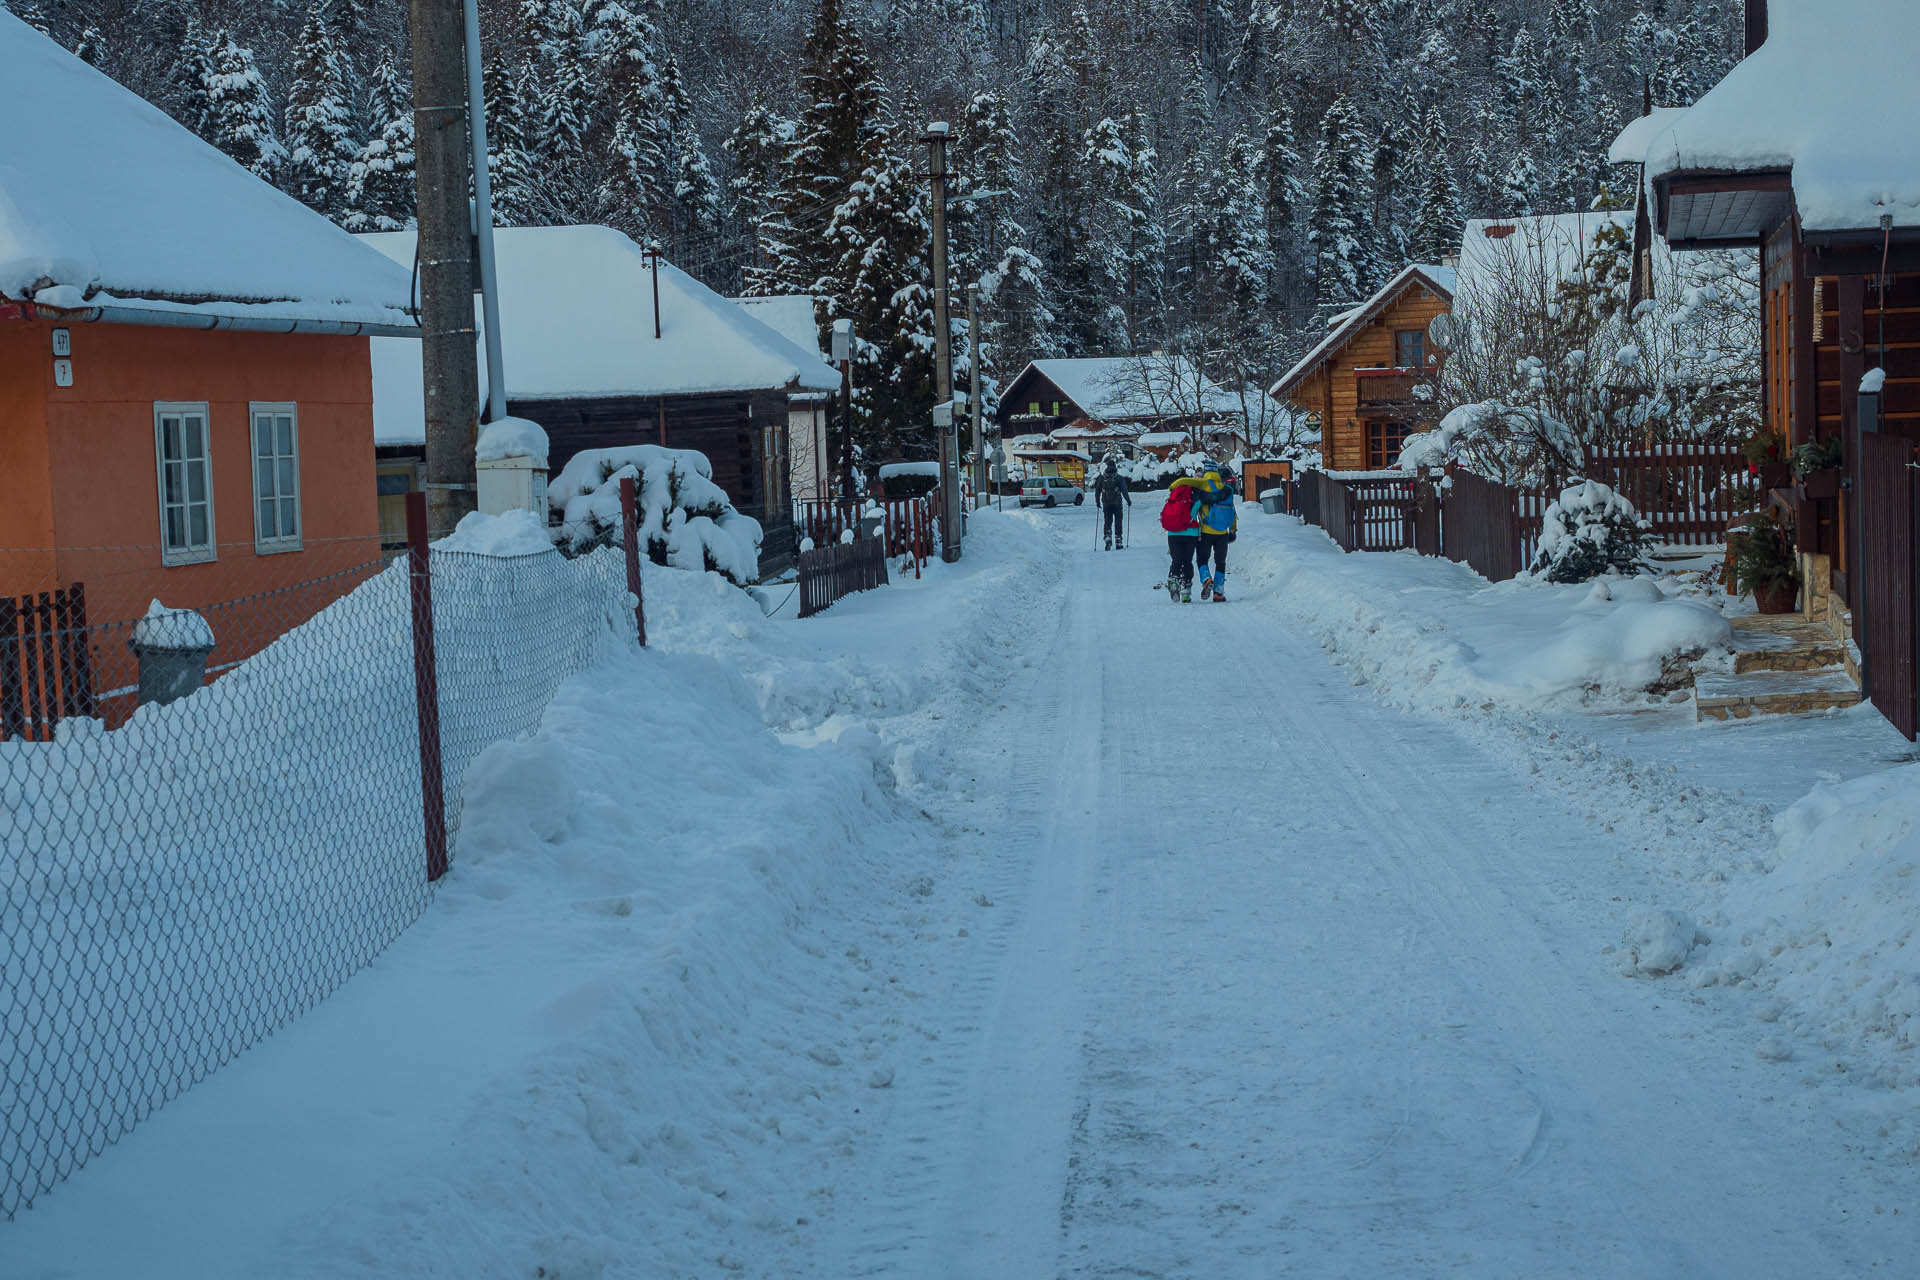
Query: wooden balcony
column 1385, row 386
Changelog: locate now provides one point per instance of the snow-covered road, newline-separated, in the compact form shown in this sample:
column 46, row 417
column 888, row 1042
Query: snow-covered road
column 1280, row 980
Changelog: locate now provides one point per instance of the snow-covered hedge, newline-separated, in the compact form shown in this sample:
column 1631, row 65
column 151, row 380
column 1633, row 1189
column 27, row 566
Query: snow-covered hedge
column 686, row 520
column 1589, row 530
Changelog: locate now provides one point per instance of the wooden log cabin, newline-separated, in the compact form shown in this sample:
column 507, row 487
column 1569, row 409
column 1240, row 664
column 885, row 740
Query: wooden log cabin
column 1806, row 151
column 1359, row 381
column 1108, row 401
column 604, row 345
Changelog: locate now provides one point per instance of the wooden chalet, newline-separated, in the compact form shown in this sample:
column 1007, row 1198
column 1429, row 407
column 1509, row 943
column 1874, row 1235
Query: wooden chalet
column 1360, row 380
column 590, row 357
column 1806, row 151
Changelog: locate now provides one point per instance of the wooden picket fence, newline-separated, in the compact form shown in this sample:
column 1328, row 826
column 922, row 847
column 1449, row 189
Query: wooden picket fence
column 838, row 569
column 46, row 668
column 909, row 525
column 1688, row 493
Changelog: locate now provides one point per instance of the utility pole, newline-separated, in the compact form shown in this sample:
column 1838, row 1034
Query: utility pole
column 449, row 365
column 975, row 400
column 950, row 514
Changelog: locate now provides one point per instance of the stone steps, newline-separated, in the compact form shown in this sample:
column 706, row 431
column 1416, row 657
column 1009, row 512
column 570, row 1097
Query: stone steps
column 1739, row 696
column 1783, row 664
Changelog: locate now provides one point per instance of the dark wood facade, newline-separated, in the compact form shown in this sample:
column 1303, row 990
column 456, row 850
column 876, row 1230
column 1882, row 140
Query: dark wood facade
column 744, row 434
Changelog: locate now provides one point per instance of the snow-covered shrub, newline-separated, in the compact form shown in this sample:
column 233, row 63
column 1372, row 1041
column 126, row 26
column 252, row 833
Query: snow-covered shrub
column 686, row 520
column 1589, row 530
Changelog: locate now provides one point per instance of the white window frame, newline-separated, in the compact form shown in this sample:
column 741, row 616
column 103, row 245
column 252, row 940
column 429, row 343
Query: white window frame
column 263, row 545
column 191, row 554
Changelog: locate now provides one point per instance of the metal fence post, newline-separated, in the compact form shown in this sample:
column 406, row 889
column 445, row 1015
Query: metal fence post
column 630, row 538
column 426, row 688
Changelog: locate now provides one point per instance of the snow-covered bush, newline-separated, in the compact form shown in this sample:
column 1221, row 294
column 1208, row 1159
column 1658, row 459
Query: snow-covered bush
column 686, row 520
column 1589, row 530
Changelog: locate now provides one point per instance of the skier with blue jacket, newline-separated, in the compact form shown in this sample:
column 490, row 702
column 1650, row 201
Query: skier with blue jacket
column 1218, row 516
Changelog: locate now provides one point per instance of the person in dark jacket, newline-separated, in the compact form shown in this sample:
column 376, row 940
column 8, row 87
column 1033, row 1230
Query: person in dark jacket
column 1110, row 490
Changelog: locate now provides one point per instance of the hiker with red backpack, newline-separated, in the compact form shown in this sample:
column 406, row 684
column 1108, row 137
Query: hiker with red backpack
column 1180, row 518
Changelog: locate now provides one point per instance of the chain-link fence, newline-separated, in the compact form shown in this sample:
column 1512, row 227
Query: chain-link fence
column 216, row 816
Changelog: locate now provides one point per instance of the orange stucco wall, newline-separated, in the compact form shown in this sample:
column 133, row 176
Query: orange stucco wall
column 82, row 493
column 26, row 496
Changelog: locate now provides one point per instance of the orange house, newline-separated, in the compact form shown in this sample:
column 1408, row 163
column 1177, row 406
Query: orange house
column 186, row 397
column 1360, row 379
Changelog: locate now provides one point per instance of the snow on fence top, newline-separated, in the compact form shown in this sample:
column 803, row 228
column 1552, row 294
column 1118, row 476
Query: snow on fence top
column 105, row 202
column 1830, row 97
column 576, row 322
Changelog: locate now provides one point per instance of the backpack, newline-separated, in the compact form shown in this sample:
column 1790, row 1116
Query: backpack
column 1177, row 515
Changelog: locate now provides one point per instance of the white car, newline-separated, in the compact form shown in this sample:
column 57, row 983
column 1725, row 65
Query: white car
column 1050, row 491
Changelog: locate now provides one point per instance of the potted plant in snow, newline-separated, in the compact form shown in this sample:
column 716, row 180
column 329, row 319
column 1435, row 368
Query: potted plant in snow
column 1764, row 565
column 1766, row 455
column 1816, row 467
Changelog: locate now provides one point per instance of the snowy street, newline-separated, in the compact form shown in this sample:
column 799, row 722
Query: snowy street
column 1020, row 923
column 1278, row 979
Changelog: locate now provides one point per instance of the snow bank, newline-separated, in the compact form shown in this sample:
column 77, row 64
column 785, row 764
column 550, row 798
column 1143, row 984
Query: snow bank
column 1827, row 937
column 512, row 533
column 1433, row 634
column 512, row 438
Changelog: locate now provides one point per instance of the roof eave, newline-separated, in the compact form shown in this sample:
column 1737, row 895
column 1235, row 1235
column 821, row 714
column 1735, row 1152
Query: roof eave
column 122, row 313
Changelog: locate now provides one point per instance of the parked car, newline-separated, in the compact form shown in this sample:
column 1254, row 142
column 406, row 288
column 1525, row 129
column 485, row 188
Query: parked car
column 1050, row 491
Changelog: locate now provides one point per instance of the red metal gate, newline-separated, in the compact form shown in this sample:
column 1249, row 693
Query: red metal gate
column 1889, row 555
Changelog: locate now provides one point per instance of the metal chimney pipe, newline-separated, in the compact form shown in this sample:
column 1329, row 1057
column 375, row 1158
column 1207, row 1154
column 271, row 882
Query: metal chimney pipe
column 1756, row 24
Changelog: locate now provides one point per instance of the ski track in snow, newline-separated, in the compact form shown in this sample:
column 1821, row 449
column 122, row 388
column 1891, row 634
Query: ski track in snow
column 1281, row 979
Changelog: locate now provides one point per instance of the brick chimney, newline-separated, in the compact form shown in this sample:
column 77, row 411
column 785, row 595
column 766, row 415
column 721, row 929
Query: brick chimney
column 1756, row 24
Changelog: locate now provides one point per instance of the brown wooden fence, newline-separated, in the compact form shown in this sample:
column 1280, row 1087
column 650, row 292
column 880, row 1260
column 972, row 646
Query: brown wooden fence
column 1889, row 554
column 46, row 671
column 1688, row 492
column 839, row 569
column 909, row 525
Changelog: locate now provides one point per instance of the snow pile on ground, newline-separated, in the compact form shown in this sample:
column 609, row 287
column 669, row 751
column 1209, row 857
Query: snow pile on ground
column 1829, row 933
column 511, row 533
column 1657, row 943
column 1432, row 634
column 512, row 438
column 632, row 1025
column 686, row 520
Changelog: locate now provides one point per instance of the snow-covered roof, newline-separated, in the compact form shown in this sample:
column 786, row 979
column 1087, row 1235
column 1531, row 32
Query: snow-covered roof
column 576, row 322
column 1109, row 388
column 791, row 315
column 1162, row 439
column 105, row 202
column 1557, row 243
column 1443, row 279
column 1830, row 98
column 1631, row 146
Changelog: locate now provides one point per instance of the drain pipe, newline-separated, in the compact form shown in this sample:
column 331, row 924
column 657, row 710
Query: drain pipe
column 483, row 220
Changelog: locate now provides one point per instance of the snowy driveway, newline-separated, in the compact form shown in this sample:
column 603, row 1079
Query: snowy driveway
column 1280, row 981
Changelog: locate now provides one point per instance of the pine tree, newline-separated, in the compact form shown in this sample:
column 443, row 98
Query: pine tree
column 30, row 12
column 693, row 215
column 636, row 185
column 380, row 192
column 757, row 150
column 513, row 99
column 320, row 151
column 561, row 103
column 91, row 47
column 1437, row 227
column 838, row 131
column 239, row 117
column 1342, row 247
column 878, row 277
column 1520, row 186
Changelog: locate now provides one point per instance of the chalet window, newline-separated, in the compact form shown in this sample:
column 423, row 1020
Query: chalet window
column 183, row 461
column 276, row 478
column 1409, row 349
column 1033, row 408
column 1384, row 442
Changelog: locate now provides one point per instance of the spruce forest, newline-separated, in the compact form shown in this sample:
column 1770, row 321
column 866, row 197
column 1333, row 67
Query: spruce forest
column 1209, row 176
